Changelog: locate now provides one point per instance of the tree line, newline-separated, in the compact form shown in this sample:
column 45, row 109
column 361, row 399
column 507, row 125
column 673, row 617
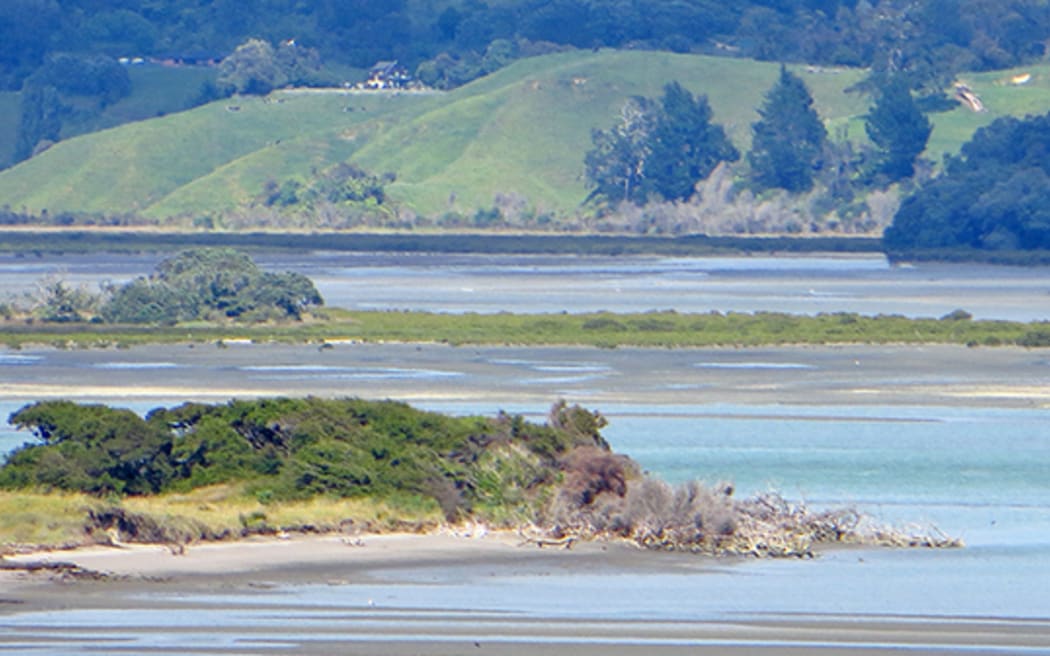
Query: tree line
column 290, row 449
column 659, row 150
column 993, row 196
column 460, row 38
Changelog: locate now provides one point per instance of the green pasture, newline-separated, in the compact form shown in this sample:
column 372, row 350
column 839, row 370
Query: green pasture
column 521, row 131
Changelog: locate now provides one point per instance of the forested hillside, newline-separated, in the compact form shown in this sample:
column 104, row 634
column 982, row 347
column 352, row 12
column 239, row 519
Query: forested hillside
column 947, row 34
column 62, row 55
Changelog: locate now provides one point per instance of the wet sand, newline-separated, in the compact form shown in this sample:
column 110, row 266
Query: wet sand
column 362, row 627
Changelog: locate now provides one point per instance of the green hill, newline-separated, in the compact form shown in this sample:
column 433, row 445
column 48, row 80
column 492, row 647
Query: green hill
column 522, row 130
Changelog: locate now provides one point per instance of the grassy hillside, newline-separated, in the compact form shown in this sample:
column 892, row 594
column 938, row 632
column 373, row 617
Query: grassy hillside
column 155, row 91
column 522, row 131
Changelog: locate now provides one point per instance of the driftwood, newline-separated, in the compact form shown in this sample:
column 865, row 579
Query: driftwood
column 61, row 570
column 697, row 519
column 542, row 539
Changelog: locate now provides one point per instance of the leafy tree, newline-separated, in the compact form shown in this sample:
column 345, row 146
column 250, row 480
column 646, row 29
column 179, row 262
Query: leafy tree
column 616, row 165
column 89, row 448
column 789, row 137
column 40, row 115
column 209, row 283
column 898, row 129
column 146, row 301
column 686, row 146
column 88, row 82
column 657, row 149
column 95, row 76
column 498, row 54
column 994, row 195
column 251, row 69
column 57, row 302
column 298, row 448
column 299, row 65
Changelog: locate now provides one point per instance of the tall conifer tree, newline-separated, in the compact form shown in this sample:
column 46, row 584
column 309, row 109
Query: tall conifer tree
column 899, row 130
column 789, row 137
column 686, row 146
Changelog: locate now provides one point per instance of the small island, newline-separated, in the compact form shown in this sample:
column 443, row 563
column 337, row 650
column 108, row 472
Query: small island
column 199, row 472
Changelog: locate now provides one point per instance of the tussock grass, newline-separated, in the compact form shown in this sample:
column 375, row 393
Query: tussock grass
column 57, row 519
column 33, row 518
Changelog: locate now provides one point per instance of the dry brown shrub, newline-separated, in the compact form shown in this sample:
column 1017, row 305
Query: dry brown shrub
column 592, row 471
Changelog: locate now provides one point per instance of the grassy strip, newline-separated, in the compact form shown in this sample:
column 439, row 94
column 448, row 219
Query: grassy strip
column 653, row 329
column 61, row 519
column 494, row 243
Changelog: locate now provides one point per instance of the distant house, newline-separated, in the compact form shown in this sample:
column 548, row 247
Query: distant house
column 188, row 59
column 387, row 75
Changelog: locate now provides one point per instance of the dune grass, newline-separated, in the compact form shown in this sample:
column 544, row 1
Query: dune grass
column 36, row 518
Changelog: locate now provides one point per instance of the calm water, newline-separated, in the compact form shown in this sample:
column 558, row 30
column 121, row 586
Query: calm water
column 479, row 283
column 978, row 472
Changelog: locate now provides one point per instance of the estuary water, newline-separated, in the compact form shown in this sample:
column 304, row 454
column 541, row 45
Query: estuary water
column 866, row 284
column 953, row 438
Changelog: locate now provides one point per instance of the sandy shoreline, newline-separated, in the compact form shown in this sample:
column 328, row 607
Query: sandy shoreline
column 149, row 579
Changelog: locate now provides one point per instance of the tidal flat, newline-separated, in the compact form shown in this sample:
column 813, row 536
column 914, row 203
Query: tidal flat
column 425, row 373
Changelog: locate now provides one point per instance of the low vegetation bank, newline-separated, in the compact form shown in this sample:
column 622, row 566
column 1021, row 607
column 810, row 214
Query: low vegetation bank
column 331, row 328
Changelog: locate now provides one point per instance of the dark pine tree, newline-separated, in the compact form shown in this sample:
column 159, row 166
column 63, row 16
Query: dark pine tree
column 789, row 137
column 686, row 146
column 899, row 130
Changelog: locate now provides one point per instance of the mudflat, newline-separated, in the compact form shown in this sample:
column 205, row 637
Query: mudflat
column 419, row 373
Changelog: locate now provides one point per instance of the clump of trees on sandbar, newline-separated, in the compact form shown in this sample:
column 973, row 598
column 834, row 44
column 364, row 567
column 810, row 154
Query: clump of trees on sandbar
column 556, row 481
column 204, row 284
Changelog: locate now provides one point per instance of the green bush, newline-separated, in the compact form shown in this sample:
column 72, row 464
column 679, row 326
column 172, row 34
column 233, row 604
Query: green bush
column 296, row 449
column 211, row 283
